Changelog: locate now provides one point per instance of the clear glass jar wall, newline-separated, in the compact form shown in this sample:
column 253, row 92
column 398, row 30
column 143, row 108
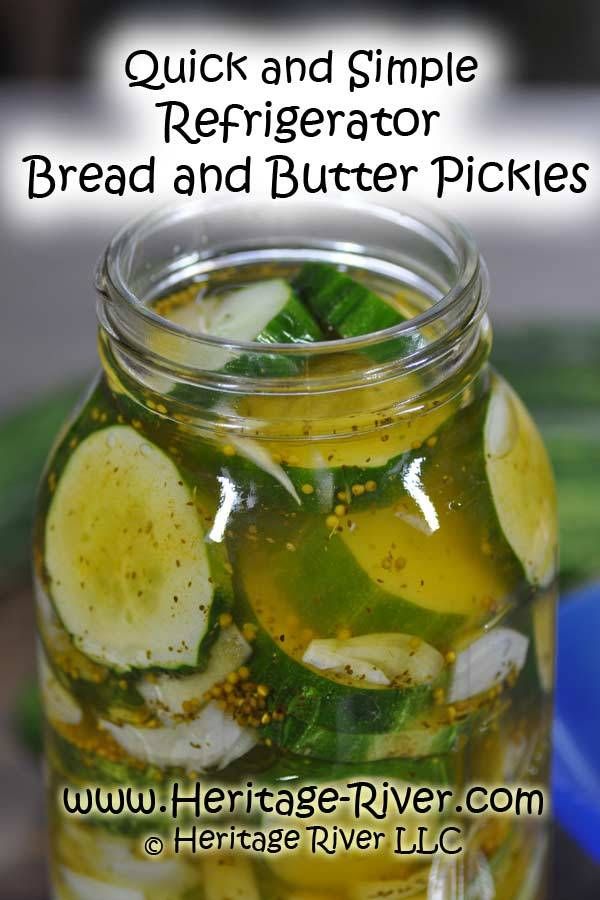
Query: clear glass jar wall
column 295, row 563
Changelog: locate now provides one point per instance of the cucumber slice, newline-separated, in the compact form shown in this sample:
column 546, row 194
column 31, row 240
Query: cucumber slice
column 414, row 886
column 317, row 474
column 82, row 887
column 229, row 877
column 534, row 873
column 330, row 589
column 86, row 767
column 544, row 633
column 420, row 551
column 397, row 660
column 521, row 484
column 312, row 698
column 120, row 861
column 307, row 695
column 265, row 312
column 339, row 872
column 328, row 876
column 376, row 434
column 486, row 662
column 308, row 894
column 211, row 741
column 59, row 705
column 259, row 455
column 169, row 696
column 345, row 308
column 126, row 556
column 296, row 769
column 90, row 684
column 426, row 736
column 385, row 659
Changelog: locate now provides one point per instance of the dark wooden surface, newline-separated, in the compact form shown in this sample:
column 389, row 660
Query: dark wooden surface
column 22, row 832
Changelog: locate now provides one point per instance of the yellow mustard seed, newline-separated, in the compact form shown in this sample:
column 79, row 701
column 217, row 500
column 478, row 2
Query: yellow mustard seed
column 307, row 489
column 249, row 631
column 370, row 486
column 233, row 677
column 340, row 510
column 228, row 450
column 265, row 719
column 225, row 619
column 432, row 441
column 451, row 714
column 358, row 490
column 332, row 521
column 262, row 690
column 343, row 496
column 244, row 673
column 450, row 657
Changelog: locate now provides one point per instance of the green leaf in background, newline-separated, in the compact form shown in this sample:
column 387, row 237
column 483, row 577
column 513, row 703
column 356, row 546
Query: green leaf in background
column 25, row 440
column 27, row 717
column 556, row 370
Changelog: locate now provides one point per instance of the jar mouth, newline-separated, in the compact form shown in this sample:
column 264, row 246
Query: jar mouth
column 125, row 308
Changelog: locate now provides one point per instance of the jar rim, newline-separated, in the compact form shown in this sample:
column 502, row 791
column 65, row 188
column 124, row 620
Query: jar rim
column 130, row 309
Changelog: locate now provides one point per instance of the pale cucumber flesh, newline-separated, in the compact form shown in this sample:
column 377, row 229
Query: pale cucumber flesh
column 521, row 483
column 126, row 555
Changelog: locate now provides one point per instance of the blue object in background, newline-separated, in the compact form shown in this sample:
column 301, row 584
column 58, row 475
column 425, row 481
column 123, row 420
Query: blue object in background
column 576, row 759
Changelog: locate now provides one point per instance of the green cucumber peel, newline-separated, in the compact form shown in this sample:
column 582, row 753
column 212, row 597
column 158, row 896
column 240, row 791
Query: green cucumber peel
column 330, row 592
column 409, row 740
column 293, row 769
column 346, row 308
column 311, row 697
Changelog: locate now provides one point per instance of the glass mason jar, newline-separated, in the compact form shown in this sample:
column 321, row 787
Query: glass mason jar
column 295, row 564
